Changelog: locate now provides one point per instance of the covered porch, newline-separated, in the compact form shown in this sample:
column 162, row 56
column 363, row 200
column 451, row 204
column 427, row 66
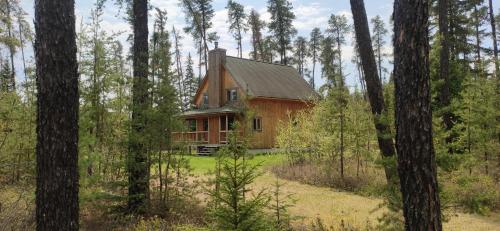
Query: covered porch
column 207, row 129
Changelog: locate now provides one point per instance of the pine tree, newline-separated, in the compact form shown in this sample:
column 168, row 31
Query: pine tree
column 190, row 83
column 337, row 28
column 300, row 54
column 178, row 64
column 379, row 32
column 378, row 105
column 233, row 208
column 416, row 166
column 281, row 26
column 199, row 15
column 138, row 167
column 237, row 22
column 256, row 26
column 315, row 48
column 57, row 188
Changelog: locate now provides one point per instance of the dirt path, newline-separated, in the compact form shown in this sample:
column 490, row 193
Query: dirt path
column 331, row 206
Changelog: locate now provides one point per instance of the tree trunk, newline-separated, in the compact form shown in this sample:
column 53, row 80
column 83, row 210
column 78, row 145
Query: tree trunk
column 479, row 68
column 444, row 69
column 416, row 160
column 57, row 119
column 494, row 38
column 373, row 86
column 138, row 161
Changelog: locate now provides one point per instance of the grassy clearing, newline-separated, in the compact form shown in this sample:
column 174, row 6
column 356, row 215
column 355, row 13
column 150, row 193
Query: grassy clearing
column 332, row 206
column 204, row 164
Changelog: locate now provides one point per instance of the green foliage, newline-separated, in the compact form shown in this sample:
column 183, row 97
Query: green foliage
column 281, row 25
column 280, row 204
column 478, row 194
column 233, row 205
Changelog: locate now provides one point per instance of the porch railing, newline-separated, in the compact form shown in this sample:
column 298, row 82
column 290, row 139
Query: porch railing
column 194, row 137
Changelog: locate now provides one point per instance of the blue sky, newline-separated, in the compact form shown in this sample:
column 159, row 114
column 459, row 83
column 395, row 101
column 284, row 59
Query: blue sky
column 309, row 14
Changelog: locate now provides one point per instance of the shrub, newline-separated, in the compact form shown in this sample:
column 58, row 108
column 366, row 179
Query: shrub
column 477, row 194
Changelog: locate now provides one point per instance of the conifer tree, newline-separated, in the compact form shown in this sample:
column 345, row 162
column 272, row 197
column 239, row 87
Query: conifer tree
column 281, row 26
column 237, row 22
column 199, row 15
column 337, row 28
column 233, row 208
column 190, row 83
column 300, row 54
column 314, row 49
column 379, row 32
column 416, row 166
column 138, row 167
column 57, row 204
column 256, row 26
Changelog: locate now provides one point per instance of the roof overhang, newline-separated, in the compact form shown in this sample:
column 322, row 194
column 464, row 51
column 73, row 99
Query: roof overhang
column 211, row 111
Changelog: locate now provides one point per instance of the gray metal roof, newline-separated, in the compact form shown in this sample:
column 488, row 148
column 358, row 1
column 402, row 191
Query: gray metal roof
column 210, row 111
column 262, row 79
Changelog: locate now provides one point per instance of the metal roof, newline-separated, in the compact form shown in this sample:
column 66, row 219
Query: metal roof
column 262, row 79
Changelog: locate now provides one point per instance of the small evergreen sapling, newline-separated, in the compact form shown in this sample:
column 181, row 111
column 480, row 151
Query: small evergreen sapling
column 233, row 208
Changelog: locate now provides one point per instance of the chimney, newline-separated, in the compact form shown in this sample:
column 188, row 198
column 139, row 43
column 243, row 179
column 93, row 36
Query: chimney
column 216, row 58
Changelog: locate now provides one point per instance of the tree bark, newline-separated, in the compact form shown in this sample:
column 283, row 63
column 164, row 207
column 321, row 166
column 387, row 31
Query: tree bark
column 57, row 119
column 416, row 160
column 138, row 162
column 444, row 69
column 373, row 86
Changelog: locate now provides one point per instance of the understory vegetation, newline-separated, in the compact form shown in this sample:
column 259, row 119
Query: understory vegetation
column 337, row 165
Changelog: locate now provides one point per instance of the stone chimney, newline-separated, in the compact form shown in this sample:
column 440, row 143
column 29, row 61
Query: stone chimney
column 216, row 58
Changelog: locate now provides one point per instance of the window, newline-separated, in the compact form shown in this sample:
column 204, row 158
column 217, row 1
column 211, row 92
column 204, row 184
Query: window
column 227, row 123
column 191, row 123
column 205, row 99
column 232, row 95
column 205, row 125
column 230, row 122
column 257, row 124
column 223, row 123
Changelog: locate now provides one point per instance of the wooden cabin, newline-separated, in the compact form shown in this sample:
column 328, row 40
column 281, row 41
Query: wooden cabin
column 271, row 92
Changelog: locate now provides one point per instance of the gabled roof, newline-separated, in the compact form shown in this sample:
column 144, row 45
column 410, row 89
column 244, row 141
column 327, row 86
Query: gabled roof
column 269, row 80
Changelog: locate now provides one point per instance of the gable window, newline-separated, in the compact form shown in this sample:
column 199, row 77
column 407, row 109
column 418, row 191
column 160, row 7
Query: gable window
column 257, row 124
column 205, row 99
column 232, row 95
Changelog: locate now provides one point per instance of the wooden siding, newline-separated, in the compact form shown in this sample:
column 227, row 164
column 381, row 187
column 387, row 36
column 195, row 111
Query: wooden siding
column 216, row 59
column 272, row 111
column 202, row 90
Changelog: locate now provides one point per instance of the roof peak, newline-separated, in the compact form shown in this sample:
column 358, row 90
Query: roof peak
column 259, row 61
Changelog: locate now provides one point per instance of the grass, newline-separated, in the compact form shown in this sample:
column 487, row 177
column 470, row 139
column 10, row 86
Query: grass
column 204, row 164
column 332, row 206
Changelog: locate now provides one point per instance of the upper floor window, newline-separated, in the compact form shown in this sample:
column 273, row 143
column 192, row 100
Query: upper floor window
column 232, row 95
column 205, row 99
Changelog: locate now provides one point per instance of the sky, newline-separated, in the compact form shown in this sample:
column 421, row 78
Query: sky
column 309, row 14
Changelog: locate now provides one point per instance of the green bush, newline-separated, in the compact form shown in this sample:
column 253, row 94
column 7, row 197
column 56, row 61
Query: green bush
column 477, row 194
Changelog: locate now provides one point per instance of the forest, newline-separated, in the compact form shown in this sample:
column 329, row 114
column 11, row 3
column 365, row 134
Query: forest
column 405, row 133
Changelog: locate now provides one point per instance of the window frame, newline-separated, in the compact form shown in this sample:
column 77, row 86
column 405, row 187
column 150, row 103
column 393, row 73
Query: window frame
column 257, row 121
column 229, row 94
column 204, row 99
